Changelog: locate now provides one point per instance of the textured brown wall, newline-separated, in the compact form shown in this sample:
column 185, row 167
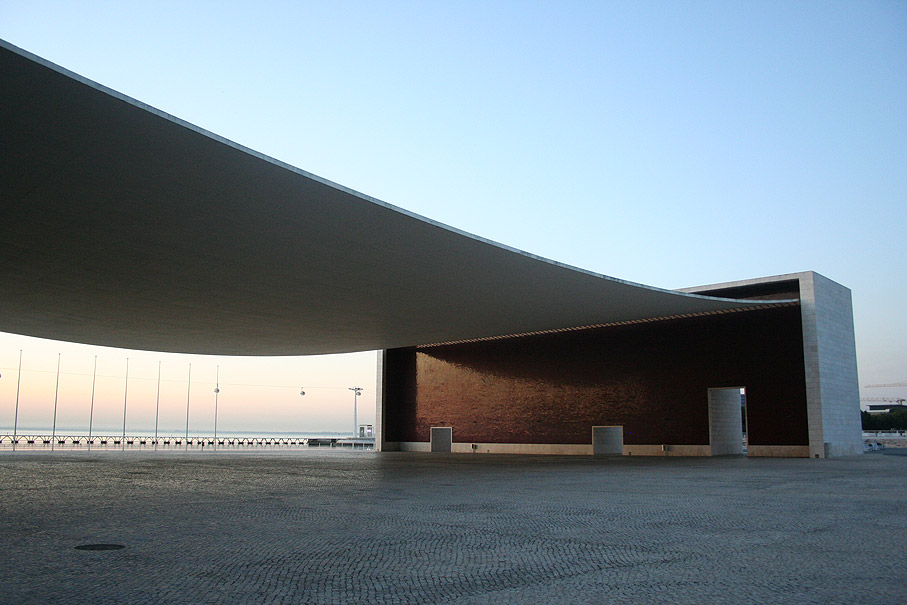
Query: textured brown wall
column 652, row 378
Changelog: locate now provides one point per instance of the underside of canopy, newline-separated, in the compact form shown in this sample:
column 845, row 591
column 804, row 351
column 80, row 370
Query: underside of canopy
column 123, row 226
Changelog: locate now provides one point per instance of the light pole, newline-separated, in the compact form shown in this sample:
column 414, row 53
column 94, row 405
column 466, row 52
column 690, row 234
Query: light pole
column 94, row 376
column 157, row 403
column 301, row 394
column 53, row 433
column 356, row 392
column 16, row 421
column 125, row 399
column 188, row 390
column 216, row 392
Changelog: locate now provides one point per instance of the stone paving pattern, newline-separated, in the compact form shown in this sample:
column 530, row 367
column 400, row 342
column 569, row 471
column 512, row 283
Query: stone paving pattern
column 368, row 527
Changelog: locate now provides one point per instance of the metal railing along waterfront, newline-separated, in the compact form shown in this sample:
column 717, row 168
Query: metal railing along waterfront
column 43, row 441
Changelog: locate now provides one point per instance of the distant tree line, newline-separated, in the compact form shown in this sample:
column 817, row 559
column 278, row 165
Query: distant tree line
column 892, row 420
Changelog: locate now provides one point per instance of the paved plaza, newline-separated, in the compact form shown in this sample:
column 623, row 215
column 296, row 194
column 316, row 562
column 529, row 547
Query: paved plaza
column 328, row 526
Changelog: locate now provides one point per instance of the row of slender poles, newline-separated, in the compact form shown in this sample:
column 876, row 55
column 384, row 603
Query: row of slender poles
column 94, row 375
column 357, row 391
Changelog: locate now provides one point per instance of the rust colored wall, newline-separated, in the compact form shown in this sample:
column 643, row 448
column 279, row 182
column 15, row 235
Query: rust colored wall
column 652, row 378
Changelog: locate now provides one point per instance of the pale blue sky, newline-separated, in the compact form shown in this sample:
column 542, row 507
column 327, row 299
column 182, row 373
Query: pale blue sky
column 673, row 144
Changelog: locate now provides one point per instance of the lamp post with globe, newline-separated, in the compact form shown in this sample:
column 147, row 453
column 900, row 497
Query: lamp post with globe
column 357, row 391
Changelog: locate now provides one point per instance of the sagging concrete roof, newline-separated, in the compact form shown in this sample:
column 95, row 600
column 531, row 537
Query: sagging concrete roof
column 124, row 226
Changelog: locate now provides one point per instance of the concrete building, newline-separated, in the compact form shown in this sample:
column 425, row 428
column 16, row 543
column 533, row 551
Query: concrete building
column 124, row 226
column 672, row 384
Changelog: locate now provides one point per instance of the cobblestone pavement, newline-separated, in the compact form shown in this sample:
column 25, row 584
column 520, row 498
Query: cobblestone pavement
column 364, row 527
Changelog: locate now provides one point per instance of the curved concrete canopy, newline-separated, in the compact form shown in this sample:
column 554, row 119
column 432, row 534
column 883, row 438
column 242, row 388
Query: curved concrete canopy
column 123, row 226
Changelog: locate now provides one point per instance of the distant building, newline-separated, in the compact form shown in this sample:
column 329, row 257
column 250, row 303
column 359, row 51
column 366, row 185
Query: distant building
column 883, row 408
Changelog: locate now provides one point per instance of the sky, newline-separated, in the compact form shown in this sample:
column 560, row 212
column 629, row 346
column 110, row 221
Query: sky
column 666, row 143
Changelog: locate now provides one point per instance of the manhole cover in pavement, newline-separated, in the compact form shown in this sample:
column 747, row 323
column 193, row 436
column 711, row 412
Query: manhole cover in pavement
column 99, row 547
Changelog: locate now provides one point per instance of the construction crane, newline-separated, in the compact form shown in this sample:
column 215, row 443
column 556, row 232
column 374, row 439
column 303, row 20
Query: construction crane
column 891, row 384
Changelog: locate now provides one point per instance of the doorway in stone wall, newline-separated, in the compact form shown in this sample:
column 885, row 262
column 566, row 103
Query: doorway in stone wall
column 745, row 439
column 727, row 418
column 441, row 439
column 608, row 440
